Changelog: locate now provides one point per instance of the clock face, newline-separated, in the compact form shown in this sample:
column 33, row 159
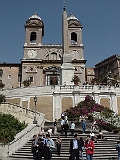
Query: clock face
column 32, row 53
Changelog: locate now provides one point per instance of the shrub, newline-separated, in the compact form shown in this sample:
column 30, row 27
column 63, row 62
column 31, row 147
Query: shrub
column 9, row 127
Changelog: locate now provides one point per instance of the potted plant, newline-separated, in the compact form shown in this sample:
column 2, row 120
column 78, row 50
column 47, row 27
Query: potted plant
column 1, row 85
column 76, row 80
column 26, row 82
column 53, row 80
column 2, row 98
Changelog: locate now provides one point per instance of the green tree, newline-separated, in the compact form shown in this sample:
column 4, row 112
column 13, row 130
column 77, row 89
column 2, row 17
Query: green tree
column 9, row 127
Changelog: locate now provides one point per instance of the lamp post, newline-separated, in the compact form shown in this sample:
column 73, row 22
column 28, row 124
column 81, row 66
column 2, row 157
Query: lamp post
column 35, row 121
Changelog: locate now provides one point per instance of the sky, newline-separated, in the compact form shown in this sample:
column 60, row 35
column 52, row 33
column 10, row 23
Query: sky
column 100, row 20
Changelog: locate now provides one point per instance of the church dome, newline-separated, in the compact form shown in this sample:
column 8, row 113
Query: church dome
column 72, row 17
column 35, row 16
column 73, row 21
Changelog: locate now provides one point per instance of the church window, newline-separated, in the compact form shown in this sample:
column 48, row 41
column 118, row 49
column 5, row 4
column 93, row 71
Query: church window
column 53, row 56
column 31, row 79
column 1, row 72
column 73, row 38
column 33, row 37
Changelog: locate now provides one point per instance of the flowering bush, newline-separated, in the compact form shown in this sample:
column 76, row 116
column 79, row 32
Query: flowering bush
column 105, row 117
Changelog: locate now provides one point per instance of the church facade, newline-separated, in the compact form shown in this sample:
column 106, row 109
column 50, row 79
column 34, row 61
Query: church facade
column 41, row 64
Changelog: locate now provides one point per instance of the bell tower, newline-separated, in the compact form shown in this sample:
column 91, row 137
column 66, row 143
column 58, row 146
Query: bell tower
column 76, row 47
column 34, row 28
column 75, row 38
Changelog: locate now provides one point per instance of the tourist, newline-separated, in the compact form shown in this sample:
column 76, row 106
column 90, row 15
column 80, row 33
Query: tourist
column 40, row 148
column 58, row 144
column 65, row 128
column 62, row 115
column 93, row 136
column 34, row 147
column 41, row 133
column 74, row 148
column 83, row 125
column 100, row 135
column 48, row 148
column 61, row 123
column 118, row 148
column 55, row 126
column 49, row 131
column 94, row 125
column 65, row 117
column 44, row 139
column 89, row 148
column 72, row 128
column 81, row 141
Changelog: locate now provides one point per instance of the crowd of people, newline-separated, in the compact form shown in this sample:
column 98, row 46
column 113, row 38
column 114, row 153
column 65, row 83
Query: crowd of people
column 43, row 144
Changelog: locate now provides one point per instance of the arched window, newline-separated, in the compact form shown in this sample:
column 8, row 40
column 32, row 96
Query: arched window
column 33, row 37
column 73, row 38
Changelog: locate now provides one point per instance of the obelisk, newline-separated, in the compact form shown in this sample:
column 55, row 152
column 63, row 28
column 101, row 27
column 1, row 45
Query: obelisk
column 67, row 69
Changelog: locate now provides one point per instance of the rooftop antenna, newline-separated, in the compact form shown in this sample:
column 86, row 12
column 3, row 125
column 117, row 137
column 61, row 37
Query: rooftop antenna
column 64, row 6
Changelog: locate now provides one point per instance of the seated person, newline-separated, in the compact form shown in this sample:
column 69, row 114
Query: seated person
column 49, row 131
column 100, row 135
column 93, row 136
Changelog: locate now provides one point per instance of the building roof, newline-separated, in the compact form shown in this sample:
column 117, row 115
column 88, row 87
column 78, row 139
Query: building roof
column 108, row 59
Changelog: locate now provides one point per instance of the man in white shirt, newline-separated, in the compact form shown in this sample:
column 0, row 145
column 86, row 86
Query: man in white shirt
column 61, row 123
column 74, row 148
column 72, row 127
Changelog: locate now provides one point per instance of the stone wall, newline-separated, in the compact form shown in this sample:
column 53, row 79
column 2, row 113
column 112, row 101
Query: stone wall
column 53, row 100
column 20, row 113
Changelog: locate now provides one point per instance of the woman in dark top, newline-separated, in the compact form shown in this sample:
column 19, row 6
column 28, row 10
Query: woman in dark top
column 40, row 148
column 81, row 147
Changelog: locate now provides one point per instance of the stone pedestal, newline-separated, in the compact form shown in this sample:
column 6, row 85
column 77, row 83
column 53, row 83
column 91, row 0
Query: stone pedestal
column 66, row 74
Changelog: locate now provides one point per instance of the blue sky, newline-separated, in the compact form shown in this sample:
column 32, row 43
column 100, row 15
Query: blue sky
column 100, row 20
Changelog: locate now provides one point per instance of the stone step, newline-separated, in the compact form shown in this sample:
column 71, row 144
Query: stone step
column 104, row 150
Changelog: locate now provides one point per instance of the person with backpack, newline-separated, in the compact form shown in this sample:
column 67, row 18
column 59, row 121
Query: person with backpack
column 118, row 148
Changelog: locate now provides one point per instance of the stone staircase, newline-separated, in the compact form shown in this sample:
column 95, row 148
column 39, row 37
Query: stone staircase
column 104, row 150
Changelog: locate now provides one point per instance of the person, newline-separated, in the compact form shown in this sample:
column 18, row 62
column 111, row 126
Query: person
column 62, row 115
column 94, row 125
column 40, row 148
column 65, row 128
column 72, row 128
column 48, row 148
column 41, row 133
column 74, row 148
column 83, row 125
column 100, row 135
column 65, row 116
column 93, row 136
column 118, row 148
column 62, row 123
column 58, row 144
column 55, row 126
column 89, row 148
column 81, row 141
column 44, row 139
column 34, row 147
column 49, row 131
